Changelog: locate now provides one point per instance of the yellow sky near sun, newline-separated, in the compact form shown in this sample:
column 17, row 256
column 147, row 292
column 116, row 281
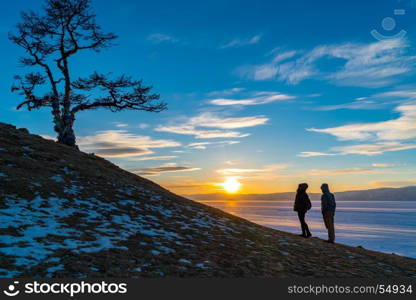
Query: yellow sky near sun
column 259, row 187
column 276, row 179
column 279, row 178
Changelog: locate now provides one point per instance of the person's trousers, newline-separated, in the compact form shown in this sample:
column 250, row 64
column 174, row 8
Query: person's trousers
column 305, row 228
column 329, row 224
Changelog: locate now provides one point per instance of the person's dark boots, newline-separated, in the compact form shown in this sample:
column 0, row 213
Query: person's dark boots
column 330, row 241
column 308, row 235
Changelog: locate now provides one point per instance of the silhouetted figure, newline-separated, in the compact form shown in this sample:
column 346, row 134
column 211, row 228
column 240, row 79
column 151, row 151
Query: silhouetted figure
column 302, row 205
column 328, row 206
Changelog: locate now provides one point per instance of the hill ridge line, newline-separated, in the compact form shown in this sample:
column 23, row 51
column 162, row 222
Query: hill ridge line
column 70, row 214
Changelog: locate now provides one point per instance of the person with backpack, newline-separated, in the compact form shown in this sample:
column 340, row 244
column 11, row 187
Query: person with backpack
column 328, row 206
column 302, row 205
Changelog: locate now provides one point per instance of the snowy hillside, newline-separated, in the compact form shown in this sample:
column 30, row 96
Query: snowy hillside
column 64, row 213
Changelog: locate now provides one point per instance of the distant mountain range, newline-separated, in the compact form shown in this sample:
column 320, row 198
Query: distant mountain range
column 382, row 194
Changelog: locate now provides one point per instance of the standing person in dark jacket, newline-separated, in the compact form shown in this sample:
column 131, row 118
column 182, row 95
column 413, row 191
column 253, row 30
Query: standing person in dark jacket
column 302, row 205
column 328, row 206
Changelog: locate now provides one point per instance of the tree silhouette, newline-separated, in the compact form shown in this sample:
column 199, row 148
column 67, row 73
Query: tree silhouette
column 66, row 28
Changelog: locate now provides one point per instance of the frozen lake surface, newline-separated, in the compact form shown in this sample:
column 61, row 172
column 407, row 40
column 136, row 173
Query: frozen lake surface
column 387, row 226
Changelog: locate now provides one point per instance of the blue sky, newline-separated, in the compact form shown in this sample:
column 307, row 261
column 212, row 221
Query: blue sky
column 271, row 93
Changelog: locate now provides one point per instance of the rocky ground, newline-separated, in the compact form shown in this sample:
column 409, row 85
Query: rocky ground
column 65, row 213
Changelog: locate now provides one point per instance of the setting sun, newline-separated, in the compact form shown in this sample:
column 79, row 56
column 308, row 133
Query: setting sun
column 231, row 185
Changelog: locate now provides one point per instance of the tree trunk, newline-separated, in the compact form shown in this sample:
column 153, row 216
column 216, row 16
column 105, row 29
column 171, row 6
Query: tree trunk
column 66, row 134
column 67, row 137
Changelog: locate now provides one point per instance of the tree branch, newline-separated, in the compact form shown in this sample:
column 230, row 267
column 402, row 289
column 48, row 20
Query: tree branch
column 122, row 93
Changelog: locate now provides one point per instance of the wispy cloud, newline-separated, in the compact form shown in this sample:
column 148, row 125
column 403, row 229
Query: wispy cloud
column 371, row 65
column 242, row 42
column 201, row 133
column 259, row 98
column 160, row 157
column 382, row 165
column 120, row 125
column 226, row 92
column 365, row 104
column 321, row 172
column 386, row 136
column 144, row 125
column 120, row 143
column 188, row 186
column 201, row 145
column 158, row 38
column 281, row 56
column 204, row 145
column 409, row 94
column 221, row 126
column 210, row 120
column 166, row 168
column 376, row 101
column 314, row 154
column 269, row 171
column 374, row 149
column 363, row 149
column 401, row 128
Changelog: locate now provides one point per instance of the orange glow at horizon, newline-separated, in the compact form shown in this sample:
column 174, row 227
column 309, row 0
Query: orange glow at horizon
column 233, row 185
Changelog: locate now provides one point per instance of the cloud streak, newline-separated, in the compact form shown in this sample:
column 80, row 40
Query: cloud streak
column 145, row 158
column 204, row 145
column 321, row 172
column 261, row 98
column 314, row 154
column 366, row 104
column 269, row 171
column 201, row 133
column 401, row 128
column 210, row 120
column 120, row 143
column 363, row 149
column 235, row 43
column 226, row 92
column 374, row 149
column 386, row 136
column 158, row 38
column 369, row 65
column 218, row 127
column 166, row 168
column 377, row 101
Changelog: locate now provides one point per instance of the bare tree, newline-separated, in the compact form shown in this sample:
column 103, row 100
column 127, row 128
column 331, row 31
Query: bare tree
column 66, row 28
